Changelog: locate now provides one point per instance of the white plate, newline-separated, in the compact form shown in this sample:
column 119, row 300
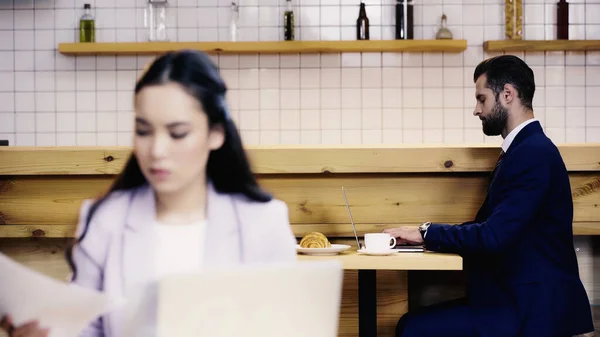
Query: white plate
column 333, row 250
column 378, row 253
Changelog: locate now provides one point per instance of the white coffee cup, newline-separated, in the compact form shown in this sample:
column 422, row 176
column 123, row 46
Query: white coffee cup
column 379, row 242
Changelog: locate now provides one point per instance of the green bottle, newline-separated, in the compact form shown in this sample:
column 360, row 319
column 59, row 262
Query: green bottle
column 87, row 25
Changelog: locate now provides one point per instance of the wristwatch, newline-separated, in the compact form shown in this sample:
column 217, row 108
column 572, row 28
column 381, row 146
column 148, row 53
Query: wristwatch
column 423, row 228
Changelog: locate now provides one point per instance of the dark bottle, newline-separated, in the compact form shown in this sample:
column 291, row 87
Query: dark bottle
column 404, row 29
column 362, row 24
column 288, row 22
column 562, row 20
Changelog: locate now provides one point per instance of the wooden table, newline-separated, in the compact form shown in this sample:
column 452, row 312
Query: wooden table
column 367, row 267
column 400, row 261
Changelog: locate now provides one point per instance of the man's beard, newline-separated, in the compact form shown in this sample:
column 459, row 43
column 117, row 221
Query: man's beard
column 494, row 124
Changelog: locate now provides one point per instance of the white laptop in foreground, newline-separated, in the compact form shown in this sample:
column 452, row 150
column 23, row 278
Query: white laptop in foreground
column 298, row 300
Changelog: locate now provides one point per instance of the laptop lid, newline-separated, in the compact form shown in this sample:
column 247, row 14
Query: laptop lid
column 351, row 219
column 297, row 300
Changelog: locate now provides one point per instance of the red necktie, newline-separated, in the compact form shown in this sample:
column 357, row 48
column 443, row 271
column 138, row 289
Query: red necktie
column 493, row 175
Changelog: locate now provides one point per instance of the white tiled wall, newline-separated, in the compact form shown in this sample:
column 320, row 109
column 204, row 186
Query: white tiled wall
column 50, row 99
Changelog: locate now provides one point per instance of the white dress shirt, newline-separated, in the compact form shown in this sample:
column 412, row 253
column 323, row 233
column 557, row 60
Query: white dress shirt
column 511, row 136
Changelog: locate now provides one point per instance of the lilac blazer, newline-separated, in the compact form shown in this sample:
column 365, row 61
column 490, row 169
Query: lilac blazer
column 117, row 252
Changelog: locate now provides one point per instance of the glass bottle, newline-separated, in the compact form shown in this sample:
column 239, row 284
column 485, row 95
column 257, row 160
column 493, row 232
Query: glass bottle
column 444, row 33
column 562, row 20
column 404, row 22
column 288, row 22
column 513, row 19
column 233, row 30
column 155, row 19
column 87, row 25
column 362, row 23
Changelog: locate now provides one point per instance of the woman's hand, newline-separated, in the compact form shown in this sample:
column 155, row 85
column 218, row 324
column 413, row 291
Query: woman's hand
column 30, row 329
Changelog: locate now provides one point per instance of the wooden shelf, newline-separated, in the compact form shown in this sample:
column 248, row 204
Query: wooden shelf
column 541, row 45
column 267, row 47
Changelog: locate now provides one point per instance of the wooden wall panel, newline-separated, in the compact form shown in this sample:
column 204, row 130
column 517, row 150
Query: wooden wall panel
column 44, row 255
column 399, row 198
column 273, row 159
column 595, row 266
column 315, row 202
column 50, row 200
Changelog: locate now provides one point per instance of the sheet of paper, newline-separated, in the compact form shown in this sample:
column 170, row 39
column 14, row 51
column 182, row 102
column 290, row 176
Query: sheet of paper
column 64, row 308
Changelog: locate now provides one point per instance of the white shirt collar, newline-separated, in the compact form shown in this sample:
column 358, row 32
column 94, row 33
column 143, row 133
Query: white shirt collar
column 511, row 136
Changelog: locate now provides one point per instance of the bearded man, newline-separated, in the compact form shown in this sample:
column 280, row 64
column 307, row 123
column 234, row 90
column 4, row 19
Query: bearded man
column 518, row 254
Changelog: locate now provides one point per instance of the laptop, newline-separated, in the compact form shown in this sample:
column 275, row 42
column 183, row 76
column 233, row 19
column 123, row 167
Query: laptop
column 298, row 300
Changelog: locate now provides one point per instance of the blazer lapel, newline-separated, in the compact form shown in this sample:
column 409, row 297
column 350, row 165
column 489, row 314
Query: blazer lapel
column 133, row 264
column 138, row 240
column 223, row 240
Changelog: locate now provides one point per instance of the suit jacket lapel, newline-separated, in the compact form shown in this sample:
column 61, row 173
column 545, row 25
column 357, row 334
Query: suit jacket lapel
column 483, row 209
column 528, row 130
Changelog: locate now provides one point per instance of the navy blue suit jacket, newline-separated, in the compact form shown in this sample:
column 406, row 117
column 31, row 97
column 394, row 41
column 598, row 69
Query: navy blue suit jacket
column 522, row 272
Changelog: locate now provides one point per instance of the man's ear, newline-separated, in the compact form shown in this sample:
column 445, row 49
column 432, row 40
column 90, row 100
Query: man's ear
column 509, row 94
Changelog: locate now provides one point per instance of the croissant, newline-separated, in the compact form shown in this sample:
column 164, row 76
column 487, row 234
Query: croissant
column 315, row 240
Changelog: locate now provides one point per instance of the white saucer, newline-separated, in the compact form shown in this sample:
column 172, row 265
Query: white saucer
column 379, row 252
column 333, row 250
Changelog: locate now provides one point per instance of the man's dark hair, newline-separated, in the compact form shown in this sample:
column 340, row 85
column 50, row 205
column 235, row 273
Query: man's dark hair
column 510, row 69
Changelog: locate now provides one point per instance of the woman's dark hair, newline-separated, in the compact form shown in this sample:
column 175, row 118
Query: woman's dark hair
column 510, row 69
column 228, row 168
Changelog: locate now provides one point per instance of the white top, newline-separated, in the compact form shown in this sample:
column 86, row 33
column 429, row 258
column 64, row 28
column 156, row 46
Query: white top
column 511, row 136
column 179, row 248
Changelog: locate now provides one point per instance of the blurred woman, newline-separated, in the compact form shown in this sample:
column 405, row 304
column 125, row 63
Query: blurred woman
column 185, row 201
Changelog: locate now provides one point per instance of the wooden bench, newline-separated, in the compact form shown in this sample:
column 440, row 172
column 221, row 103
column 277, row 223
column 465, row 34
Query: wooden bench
column 41, row 190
